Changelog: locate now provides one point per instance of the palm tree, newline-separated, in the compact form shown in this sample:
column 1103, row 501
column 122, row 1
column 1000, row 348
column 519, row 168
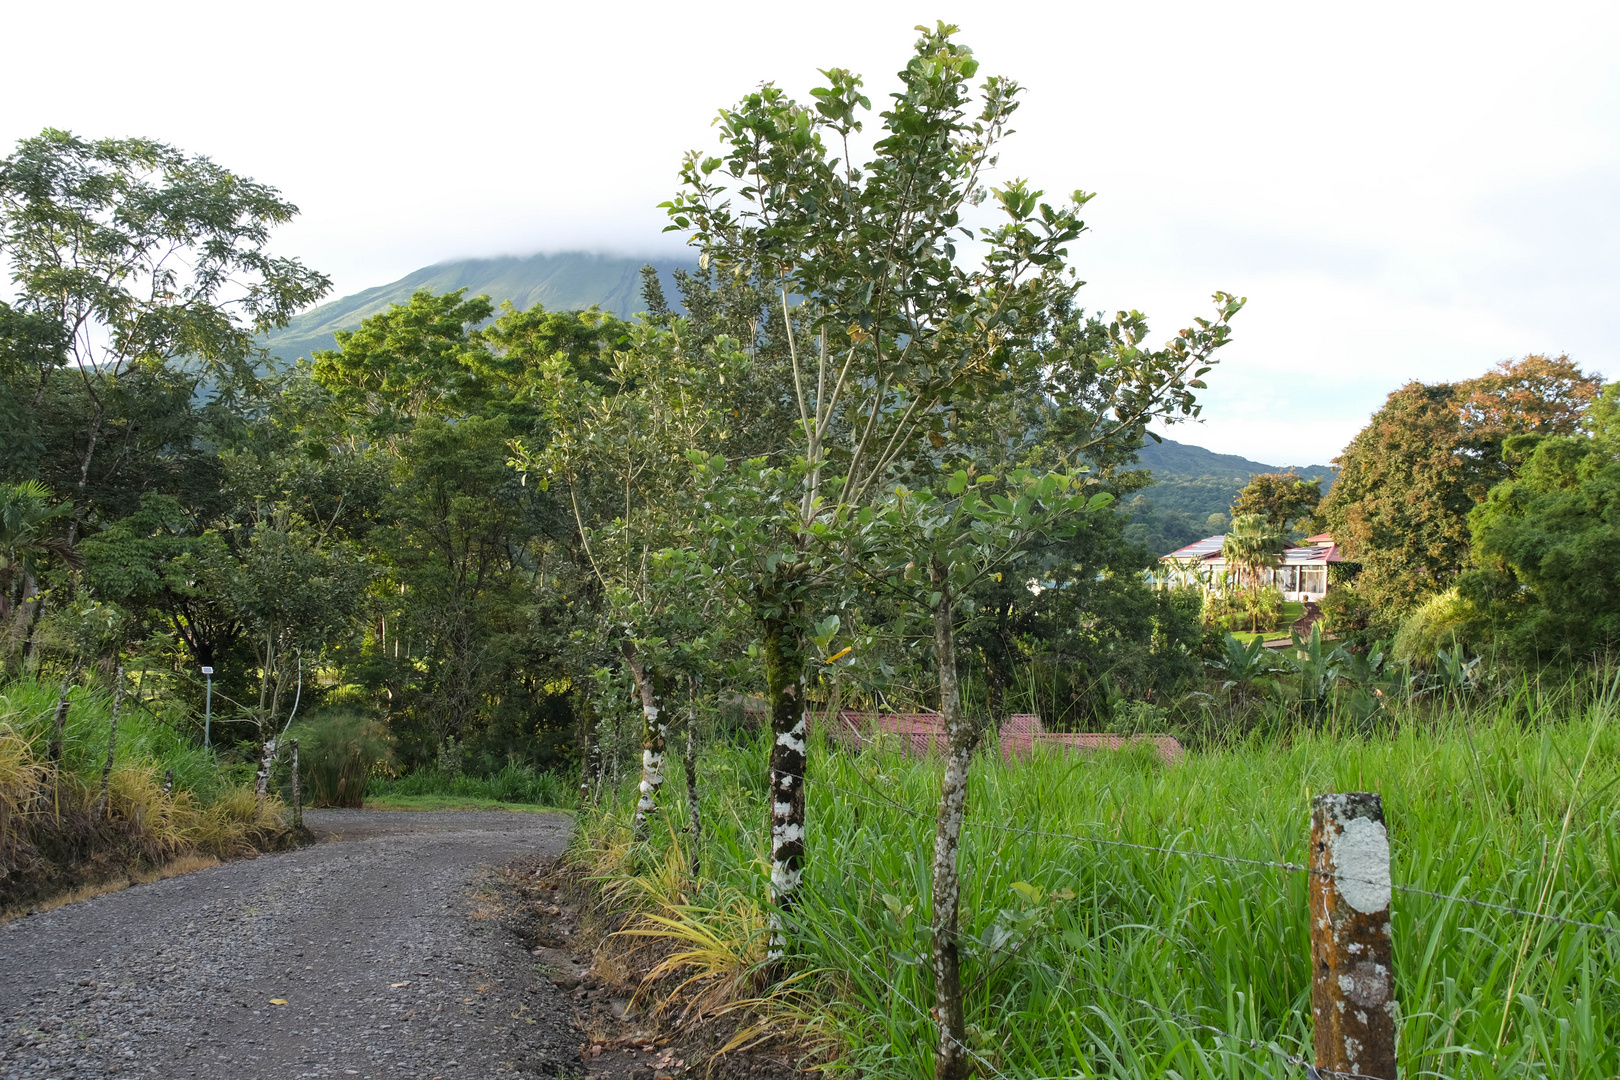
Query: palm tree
column 25, row 508
column 1252, row 545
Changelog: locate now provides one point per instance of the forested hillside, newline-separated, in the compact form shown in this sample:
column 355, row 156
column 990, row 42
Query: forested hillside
column 1192, row 492
column 564, row 281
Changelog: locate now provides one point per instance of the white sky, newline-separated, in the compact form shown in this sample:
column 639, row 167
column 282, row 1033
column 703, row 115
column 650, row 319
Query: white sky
column 1402, row 190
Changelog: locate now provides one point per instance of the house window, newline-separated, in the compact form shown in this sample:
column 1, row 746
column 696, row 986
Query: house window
column 1288, row 578
column 1315, row 579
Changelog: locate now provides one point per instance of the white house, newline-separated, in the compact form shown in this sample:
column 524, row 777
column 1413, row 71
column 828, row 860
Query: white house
column 1301, row 572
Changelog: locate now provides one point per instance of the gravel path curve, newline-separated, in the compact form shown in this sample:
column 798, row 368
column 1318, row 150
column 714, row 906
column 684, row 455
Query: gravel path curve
column 384, row 947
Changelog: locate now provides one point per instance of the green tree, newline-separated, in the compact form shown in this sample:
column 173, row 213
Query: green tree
column 1251, row 547
column 1409, row 480
column 618, row 454
column 1280, row 498
column 141, row 255
column 931, row 547
column 904, row 338
column 1546, row 543
column 26, row 545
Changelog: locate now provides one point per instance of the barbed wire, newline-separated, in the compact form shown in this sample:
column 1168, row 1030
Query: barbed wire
column 1238, row 860
column 1182, row 1018
column 1293, row 1060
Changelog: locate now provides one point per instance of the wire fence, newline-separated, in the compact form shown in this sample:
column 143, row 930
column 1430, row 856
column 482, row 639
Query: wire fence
column 1237, row 860
column 1184, row 1021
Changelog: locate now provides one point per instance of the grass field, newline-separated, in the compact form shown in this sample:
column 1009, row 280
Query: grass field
column 1086, row 959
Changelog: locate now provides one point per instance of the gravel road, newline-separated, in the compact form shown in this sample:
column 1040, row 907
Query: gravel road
column 382, row 943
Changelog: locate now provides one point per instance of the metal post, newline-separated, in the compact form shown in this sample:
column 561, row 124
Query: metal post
column 208, row 704
column 1352, row 962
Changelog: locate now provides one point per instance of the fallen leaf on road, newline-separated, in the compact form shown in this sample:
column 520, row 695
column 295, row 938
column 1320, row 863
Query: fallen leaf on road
column 396, row 986
column 278, row 1001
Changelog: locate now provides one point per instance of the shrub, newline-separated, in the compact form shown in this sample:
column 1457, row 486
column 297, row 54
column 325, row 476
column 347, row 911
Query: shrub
column 338, row 751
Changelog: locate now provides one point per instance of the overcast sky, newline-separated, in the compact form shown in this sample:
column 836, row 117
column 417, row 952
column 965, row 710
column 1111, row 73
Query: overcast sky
column 1401, row 190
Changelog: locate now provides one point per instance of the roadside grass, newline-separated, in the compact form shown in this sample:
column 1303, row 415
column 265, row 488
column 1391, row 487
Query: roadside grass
column 455, row 802
column 1083, row 959
column 53, row 841
column 514, row 786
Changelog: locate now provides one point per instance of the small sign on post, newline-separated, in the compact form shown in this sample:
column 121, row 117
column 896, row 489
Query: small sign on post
column 1352, row 954
column 208, row 705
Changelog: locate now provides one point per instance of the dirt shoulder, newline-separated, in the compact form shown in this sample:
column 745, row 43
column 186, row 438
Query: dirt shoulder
column 385, row 945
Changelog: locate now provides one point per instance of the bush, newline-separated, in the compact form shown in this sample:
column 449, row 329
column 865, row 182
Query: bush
column 1345, row 613
column 338, row 752
column 1442, row 622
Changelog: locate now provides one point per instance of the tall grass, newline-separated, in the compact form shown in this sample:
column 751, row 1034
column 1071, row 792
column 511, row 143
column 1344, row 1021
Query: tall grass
column 518, row 784
column 52, row 839
column 1086, row 959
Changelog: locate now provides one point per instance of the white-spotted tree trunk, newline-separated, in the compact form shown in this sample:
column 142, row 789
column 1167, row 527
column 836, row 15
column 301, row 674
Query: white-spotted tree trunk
column 784, row 683
column 651, row 686
column 951, row 1056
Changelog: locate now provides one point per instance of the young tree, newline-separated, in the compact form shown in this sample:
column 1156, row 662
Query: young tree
column 901, row 330
column 617, row 456
column 138, row 254
column 905, row 337
column 932, row 547
column 296, row 592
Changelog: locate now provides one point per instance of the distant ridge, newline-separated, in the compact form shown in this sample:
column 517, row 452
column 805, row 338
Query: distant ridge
column 563, row 281
column 1192, row 492
column 1171, row 458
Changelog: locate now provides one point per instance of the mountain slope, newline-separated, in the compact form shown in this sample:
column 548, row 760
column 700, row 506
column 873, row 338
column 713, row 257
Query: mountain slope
column 564, row 281
column 1192, row 492
column 1190, row 483
column 1171, row 458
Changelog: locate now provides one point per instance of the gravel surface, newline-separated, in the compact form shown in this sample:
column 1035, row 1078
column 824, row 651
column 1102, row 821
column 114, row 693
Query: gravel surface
column 387, row 948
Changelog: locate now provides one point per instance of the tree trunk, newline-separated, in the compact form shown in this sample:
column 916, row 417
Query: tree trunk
column 694, row 816
column 784, row 683
column 97, row 419
column 53, row 752
column 586, row 745
column 651, row 685
column 261, row 780
column 950, row 1057
column 102, row 807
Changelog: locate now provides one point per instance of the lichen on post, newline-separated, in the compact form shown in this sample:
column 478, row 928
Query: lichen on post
column 1352, row 965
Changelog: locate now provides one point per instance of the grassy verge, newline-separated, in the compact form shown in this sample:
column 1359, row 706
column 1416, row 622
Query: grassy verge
column 1088, row 959
column 58, row 836
column 453, row 802
column 514, row 786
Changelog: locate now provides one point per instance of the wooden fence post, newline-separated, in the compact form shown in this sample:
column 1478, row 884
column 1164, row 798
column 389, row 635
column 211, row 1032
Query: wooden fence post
column 1352, row 966
column 298, row 790
column 104, row 800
